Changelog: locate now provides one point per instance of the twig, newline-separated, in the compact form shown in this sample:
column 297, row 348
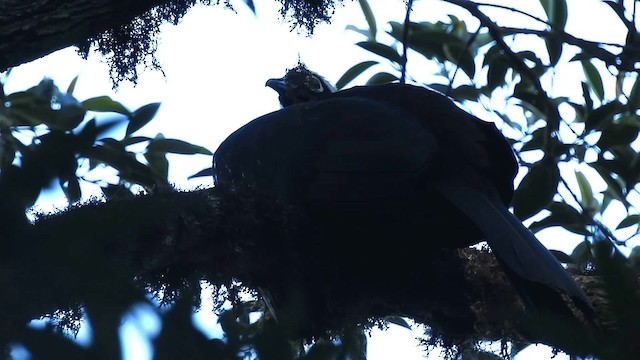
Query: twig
column 405, row 41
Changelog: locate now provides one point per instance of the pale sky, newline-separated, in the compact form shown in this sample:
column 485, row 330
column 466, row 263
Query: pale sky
column 216, row 63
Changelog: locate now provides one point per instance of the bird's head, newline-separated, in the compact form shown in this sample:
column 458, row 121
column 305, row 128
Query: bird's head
column 300, row 85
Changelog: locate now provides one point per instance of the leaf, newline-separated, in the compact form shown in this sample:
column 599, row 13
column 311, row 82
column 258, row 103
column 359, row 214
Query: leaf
column 602, row 117
column 536, row 142
column 397, row 320
column 586, row 94
column 202, row 173
column 537, row 189
column 383, row 50
column 629, row 221
column 617, row 134
column 382, row 78
column 634, row 96
column 459, row 54
column 497, row 72
column 593, row 78
column 72, row 85
column 581, row 255
column 554, row 48
column 141, row 117
column 353, row 72
column 112, row 153
column 465, row 92
column 359, row 31
column 563, row 215
column 44, row 104
column 251, row 6
column 587, row 200
column 176, row 147
column 556, row 11
column 105, row 104
column 371, row 20
column 71, row 189
column 134, row 140
column 158, row 162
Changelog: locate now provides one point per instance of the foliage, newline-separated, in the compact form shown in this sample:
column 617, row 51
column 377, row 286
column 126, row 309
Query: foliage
column 596, row 134
column 47, row 136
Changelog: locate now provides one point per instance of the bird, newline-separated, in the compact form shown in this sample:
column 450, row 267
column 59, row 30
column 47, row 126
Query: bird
column 401, row 160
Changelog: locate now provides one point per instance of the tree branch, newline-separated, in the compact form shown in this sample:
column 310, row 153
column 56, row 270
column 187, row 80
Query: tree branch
column 30, row 30
column 170, row 242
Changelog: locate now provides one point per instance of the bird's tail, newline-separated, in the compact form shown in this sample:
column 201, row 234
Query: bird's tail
column 533, row 270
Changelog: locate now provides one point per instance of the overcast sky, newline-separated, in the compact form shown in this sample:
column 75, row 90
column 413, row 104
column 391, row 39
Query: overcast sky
column 216, row 63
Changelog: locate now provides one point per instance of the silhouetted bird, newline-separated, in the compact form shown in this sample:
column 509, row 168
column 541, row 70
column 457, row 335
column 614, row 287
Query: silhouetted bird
column 397, row 160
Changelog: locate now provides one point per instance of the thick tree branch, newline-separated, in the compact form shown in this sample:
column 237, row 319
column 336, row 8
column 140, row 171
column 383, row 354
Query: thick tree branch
column 32, row 29
column 167, row 243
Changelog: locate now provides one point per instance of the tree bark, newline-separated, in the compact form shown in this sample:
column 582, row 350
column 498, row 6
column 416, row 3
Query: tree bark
column 32, row 29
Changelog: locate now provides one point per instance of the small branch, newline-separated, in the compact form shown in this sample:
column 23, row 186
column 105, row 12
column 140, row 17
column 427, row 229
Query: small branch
column 405, row 41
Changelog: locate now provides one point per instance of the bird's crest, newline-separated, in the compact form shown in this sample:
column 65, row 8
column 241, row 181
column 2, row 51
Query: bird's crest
column 300, row 85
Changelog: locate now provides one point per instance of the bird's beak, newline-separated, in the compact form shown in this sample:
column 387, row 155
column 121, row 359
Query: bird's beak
column 279, row 85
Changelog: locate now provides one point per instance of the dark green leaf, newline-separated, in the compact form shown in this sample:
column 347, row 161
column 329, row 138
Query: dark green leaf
column 587, row 200
column 44, row 104
column 71, row 189
column 382, row 78
column 581, row 255
column 497, row 72
column 602, row 117
column 158, row 162
column 141, row 117
column 616, row 188
column 629, row 221
column 359, row 31
column 537, row 189
column 593, row 78
column 616, row 135
column 563, row 215
column 72, row 85
column 113, row 154
column 134, row 140
column 202, row 173
column 556, row 11
column 464, row 92
column 87, row 136
column 383, row 50
column 537, row 140
column 353, row 72
column 620, row 285
column 634, row 97
column 554, row 48
column 459, row 54
column 371, row 20
column 176, row 147
column 586, row 94
column 397, row 320
column 105, row 104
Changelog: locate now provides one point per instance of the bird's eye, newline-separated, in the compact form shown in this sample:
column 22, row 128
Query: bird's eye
column 314, row 84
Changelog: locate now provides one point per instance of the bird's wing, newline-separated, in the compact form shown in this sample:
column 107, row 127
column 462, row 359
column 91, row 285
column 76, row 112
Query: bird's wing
column 515, row 246
column 319, row 153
